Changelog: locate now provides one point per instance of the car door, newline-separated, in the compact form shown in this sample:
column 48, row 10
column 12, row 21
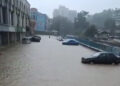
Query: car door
column 111, row 58
column 102, row 58
column 71, row 42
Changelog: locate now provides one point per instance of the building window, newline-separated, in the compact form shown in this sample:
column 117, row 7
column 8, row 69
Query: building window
column 12, row 18
column 0, row 15
column 34, row 17
column 22, row 21
column 18, row 20
column 4, row 14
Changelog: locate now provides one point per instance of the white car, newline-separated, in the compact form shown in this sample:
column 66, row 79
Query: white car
column 26, row 40
column 60, row 38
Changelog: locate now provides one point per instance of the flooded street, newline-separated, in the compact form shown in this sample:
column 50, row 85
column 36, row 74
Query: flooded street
column 49, row 63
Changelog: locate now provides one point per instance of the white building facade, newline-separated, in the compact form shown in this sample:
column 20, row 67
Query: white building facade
column 14, row 18
column 65, row 12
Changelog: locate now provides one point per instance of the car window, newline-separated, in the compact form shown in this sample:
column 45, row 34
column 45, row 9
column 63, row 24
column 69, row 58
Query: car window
column 97, row 54
column 112, row 56
column 71, row 41
column 103, row 55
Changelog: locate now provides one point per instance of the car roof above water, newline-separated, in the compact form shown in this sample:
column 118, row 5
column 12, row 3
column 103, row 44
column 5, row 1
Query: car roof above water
column 70, row 40
column 105, row 53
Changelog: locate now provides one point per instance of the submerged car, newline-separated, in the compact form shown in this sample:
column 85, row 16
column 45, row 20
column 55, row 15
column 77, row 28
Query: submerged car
column 70, row 42
column 102, row 58
column 60, row 39
column 26, row 40
column 36, row 39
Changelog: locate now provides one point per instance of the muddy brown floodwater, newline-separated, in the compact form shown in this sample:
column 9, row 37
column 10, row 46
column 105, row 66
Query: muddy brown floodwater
column 49, row 63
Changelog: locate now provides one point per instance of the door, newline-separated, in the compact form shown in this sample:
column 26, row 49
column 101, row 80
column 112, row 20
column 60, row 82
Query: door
column 111, row 58
column 102, row 58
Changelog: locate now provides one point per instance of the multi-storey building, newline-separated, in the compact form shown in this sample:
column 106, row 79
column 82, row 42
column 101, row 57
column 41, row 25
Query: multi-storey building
column 40, row 19
column 65, row 12
column 14, row 20
column 116, row 17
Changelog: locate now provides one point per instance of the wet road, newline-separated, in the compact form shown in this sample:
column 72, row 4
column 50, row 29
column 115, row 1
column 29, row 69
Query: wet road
column 49, row 63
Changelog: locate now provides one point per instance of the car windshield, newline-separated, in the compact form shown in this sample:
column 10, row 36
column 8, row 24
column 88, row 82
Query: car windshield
column 72, row 41
column 96, row 54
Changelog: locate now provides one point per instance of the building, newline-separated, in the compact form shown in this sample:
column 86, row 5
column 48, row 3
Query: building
column 40, row 19
column 14, row 20
column 116, row 16
column 48, row 25
column 65, row 12
column 32, row 26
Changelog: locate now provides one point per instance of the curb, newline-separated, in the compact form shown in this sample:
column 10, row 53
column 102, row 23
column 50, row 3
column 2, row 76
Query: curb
column 93, row 48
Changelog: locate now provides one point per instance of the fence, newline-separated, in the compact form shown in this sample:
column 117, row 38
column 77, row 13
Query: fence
column 100, row 47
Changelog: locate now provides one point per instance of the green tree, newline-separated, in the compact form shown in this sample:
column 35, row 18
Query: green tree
column 62, row 25
column 98, row 19
column 81, row 23
column 109, row 24
column 91, row 31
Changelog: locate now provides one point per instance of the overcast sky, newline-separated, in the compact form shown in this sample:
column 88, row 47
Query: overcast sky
column 93, row 6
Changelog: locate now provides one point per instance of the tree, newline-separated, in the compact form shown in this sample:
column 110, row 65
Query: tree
column 98, row 19
column 91, row 31
column 62, row 25
column 81, row 23
column 109, row 23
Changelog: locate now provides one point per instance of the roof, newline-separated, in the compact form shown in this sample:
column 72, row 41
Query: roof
column 105, row 52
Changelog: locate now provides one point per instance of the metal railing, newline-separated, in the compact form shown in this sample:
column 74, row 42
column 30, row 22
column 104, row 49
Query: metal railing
column 101, row 47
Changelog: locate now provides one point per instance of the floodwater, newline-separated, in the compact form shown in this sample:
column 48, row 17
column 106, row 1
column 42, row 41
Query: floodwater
column 49, row 63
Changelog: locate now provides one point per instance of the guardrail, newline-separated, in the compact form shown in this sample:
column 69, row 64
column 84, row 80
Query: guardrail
column 100, row 47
